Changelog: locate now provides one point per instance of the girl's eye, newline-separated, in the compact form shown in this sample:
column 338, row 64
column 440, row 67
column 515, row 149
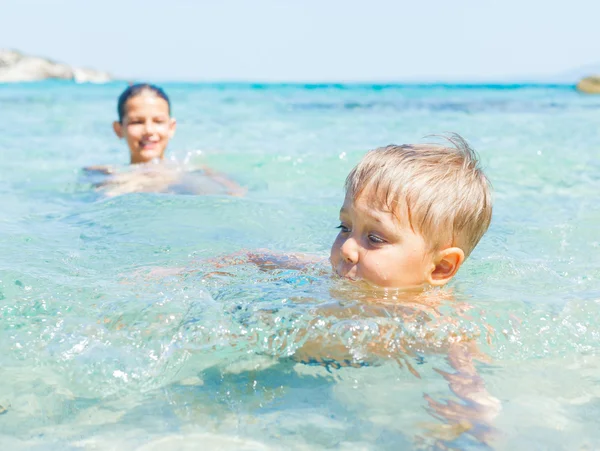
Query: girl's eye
column 343, row 228
column 376, row 240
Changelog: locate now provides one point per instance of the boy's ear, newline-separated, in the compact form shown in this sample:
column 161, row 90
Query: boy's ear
column 446, row 265
column 118, row 128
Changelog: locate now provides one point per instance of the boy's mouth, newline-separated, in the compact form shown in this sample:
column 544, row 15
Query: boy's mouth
column 342, row 271
column 348, row 276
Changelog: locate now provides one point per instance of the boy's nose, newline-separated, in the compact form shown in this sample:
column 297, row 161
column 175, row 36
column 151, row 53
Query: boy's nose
column 349, row 251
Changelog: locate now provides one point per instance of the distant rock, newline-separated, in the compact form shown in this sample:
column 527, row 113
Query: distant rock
column 16, row 66
column 589, row 85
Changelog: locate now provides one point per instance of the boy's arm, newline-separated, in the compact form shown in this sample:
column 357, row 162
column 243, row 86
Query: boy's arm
column 263, row 258
column 268, row 260
column 476, row 413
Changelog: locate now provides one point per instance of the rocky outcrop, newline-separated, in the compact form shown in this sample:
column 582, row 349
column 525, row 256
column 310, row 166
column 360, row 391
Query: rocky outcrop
column 16, row 66
column 589, row 85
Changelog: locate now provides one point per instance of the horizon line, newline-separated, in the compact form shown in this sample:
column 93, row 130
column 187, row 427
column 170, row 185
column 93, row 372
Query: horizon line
column 316, row 83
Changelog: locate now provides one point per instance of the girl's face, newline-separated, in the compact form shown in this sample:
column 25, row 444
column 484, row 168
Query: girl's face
column 147, row 127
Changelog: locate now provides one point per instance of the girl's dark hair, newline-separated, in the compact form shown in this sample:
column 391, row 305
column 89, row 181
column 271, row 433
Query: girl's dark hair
column 136, row 89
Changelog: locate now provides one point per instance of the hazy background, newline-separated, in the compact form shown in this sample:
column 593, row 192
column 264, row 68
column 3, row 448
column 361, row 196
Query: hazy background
column 312, row 40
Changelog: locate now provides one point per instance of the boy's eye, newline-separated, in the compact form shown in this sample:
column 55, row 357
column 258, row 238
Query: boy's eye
column 376, row 240
column 343, row 228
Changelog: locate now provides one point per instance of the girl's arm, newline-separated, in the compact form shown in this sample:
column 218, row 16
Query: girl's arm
column 233, row 189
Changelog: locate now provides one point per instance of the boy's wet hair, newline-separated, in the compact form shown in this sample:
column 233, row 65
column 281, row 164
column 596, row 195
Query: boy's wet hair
column 439, row 190
column 137, row 89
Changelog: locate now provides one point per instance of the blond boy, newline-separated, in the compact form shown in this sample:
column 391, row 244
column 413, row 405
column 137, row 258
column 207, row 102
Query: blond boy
column 411, row 215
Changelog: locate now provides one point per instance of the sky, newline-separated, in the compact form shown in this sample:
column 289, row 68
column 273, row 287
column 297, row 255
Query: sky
column 310, row 40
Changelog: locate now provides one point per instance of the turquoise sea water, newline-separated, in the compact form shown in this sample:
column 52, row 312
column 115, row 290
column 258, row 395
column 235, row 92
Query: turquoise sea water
column 95, row 353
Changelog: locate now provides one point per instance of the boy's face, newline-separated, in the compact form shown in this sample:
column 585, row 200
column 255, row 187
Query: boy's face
column 375, row 246
column 146, row 126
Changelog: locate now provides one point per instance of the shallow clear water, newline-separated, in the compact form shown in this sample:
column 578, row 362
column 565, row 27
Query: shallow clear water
column 97, row 353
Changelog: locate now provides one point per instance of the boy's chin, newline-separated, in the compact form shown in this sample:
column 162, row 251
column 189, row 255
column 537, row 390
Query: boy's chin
column 363, row 284
column 355, row 282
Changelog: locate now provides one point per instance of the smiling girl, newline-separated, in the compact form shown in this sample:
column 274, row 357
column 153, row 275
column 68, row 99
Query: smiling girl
column 145, row 123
